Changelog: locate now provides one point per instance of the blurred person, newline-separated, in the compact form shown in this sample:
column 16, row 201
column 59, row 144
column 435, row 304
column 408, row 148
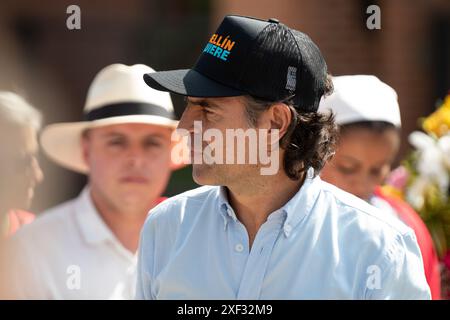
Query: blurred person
column 368, row 116
column 19, row 168
column 86, row 248
column 249, row 234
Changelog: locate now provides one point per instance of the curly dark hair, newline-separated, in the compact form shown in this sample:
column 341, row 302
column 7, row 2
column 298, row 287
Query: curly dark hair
column 311, row 137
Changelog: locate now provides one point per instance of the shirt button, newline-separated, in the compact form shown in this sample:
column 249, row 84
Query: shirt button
column 239, row 247
column 288, row 228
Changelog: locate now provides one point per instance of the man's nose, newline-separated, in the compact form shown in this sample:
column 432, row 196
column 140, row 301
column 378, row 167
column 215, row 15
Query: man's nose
column 135, row 152
column 187, row 120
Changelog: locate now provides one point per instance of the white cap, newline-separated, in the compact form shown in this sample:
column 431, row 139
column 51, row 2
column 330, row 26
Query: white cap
column 359, row 98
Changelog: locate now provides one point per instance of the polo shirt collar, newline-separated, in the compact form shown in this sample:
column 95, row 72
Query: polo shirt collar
column 93, row 229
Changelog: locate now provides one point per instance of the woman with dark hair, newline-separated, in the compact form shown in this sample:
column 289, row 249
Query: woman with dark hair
column 368, row 116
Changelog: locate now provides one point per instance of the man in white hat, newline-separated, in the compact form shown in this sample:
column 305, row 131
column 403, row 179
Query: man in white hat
column 85, row 248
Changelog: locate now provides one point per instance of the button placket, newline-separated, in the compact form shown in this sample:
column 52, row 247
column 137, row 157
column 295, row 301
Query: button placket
column 258, row 260
column 237, row 236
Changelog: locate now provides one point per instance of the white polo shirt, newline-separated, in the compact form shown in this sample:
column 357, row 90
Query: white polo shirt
column 70, row 253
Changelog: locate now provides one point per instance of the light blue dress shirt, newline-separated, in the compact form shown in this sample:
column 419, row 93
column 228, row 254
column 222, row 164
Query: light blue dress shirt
column 323, row 243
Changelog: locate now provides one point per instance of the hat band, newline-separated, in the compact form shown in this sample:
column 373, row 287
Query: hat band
column 127, row 109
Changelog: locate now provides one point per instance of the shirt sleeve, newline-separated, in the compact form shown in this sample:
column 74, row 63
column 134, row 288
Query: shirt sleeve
column 399, row 274
column 145, row 262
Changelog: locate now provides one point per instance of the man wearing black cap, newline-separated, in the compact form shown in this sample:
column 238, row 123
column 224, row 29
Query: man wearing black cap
column 247, row 234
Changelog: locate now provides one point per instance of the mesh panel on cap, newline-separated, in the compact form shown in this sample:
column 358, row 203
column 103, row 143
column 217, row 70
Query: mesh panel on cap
column 276, row 50
column 265, row 69
column 313, row 77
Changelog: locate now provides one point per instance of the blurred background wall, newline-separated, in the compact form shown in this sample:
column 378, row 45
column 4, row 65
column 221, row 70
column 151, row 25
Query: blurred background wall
column 53, row 66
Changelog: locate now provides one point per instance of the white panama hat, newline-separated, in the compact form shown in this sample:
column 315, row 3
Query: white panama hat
column 117, row 95
column 359, row 98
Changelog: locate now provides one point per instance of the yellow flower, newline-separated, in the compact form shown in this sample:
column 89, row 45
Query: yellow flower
column 438, row 122
column 392, row 191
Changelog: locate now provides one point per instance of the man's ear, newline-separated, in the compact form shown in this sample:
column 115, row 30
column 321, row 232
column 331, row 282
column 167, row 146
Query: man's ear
column 280, row 118
column 85, row 144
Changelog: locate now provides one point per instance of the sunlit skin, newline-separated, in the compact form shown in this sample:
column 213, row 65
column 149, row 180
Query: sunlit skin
column 20, row 171
column 220, row 114
column 129, row 167
column 362, row 161
column 253, row 196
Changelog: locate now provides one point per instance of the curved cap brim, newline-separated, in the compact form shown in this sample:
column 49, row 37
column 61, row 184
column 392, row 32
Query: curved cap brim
column 188, row 82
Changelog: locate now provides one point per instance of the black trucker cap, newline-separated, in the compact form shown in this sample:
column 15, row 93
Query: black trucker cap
column 249, row 56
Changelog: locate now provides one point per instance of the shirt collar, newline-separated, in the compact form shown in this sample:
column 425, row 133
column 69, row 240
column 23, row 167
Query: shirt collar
column 93, row 229
column 301, row 204
column 294, row 210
